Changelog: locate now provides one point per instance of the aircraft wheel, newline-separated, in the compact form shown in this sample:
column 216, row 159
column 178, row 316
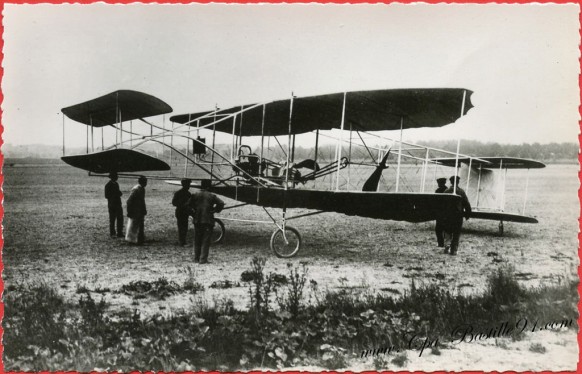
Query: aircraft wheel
column 501, row 228
column 287, row 249
column 218, row 231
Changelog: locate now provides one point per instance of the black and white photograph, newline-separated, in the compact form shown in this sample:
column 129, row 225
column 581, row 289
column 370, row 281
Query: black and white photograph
column 290, row 187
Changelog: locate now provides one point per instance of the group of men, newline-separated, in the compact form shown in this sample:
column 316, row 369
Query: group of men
column 201, row 206
column 452, row 223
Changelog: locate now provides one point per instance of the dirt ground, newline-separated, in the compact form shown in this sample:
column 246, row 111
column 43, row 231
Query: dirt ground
column 56, row 231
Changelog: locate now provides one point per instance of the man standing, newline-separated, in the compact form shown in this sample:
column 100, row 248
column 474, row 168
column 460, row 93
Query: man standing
column 439, row 227
column 136, row 211
column 204, row 204
column 180, row 201
column 455, row 221
column 113, row 196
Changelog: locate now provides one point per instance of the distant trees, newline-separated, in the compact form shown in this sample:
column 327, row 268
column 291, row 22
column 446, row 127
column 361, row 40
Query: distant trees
column 551, row 152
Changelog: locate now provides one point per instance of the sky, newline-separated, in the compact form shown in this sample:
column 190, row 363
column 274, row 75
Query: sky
column 521, row 61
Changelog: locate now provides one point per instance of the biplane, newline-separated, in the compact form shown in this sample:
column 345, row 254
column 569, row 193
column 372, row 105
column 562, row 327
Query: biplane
column 349, row 165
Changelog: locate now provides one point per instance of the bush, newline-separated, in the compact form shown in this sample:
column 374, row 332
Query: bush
column 291, row 300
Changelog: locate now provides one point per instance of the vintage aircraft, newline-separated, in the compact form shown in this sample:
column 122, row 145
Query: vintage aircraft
column 354, row 178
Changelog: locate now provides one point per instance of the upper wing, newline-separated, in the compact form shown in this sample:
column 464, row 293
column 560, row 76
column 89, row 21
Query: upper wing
column 492, row 162
column 116, row 160
column 364, row 111
column 118, row 106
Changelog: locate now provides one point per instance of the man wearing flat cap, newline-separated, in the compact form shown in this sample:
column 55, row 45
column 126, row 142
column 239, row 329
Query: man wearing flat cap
column 455, row 221
column 113, row 196
column 180, row 201
column 439, row 227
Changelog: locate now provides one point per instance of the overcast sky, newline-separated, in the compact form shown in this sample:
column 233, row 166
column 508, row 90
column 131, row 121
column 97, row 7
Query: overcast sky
column 520, row 60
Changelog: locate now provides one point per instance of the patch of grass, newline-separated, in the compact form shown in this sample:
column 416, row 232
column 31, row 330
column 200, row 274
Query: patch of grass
column 43, row 332
column 224, row 284
column 501, row 344
column 160, row 289
column 102, row 290
column 33, row 318
column 82, row 289
column 380, row 363
column 292, row 298
column 537, row 348
column 391, row 290
column 191, row 284
column 400, row 360
column 333, row 357
column 435, row 351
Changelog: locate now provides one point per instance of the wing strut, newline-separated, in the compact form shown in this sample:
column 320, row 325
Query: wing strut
column 63, row 135
column 469, row 175
column 339, row 153
column 399, row 154
column 526, row 186
column 316, row 146
column 459, row 144
column 213, row 140
column 287, row 168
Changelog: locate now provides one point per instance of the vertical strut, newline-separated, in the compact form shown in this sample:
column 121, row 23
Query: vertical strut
column 525, row 197
column 339, row 153
column 479, row 184
column 287, row 166
column 459, row 145
column 91, row 122
column 469, row 175
column 456, row 165
column 213, row 141
column 63, row 116
column 120, row 130
column 262, row 139
column 399, row 154
column 424, row 171
column 316, row 145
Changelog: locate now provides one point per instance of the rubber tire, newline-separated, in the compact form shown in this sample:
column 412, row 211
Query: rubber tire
column 218, row 227
column 278, row 235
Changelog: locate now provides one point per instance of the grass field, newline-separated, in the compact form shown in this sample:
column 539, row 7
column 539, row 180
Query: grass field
column 56, row 233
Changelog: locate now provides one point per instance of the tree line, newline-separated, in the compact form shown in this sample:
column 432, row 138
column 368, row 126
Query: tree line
column 548, row 153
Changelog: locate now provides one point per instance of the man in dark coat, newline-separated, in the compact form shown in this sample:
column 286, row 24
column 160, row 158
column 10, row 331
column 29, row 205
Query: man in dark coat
column 439, row 227
column 136, row 211
column 113, row 196
column 180, row 201
column 455, row 220
column 204, row 204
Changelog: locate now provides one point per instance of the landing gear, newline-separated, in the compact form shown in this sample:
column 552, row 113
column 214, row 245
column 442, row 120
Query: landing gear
column 500, row 228
column 218, row 231
column 286, row 246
